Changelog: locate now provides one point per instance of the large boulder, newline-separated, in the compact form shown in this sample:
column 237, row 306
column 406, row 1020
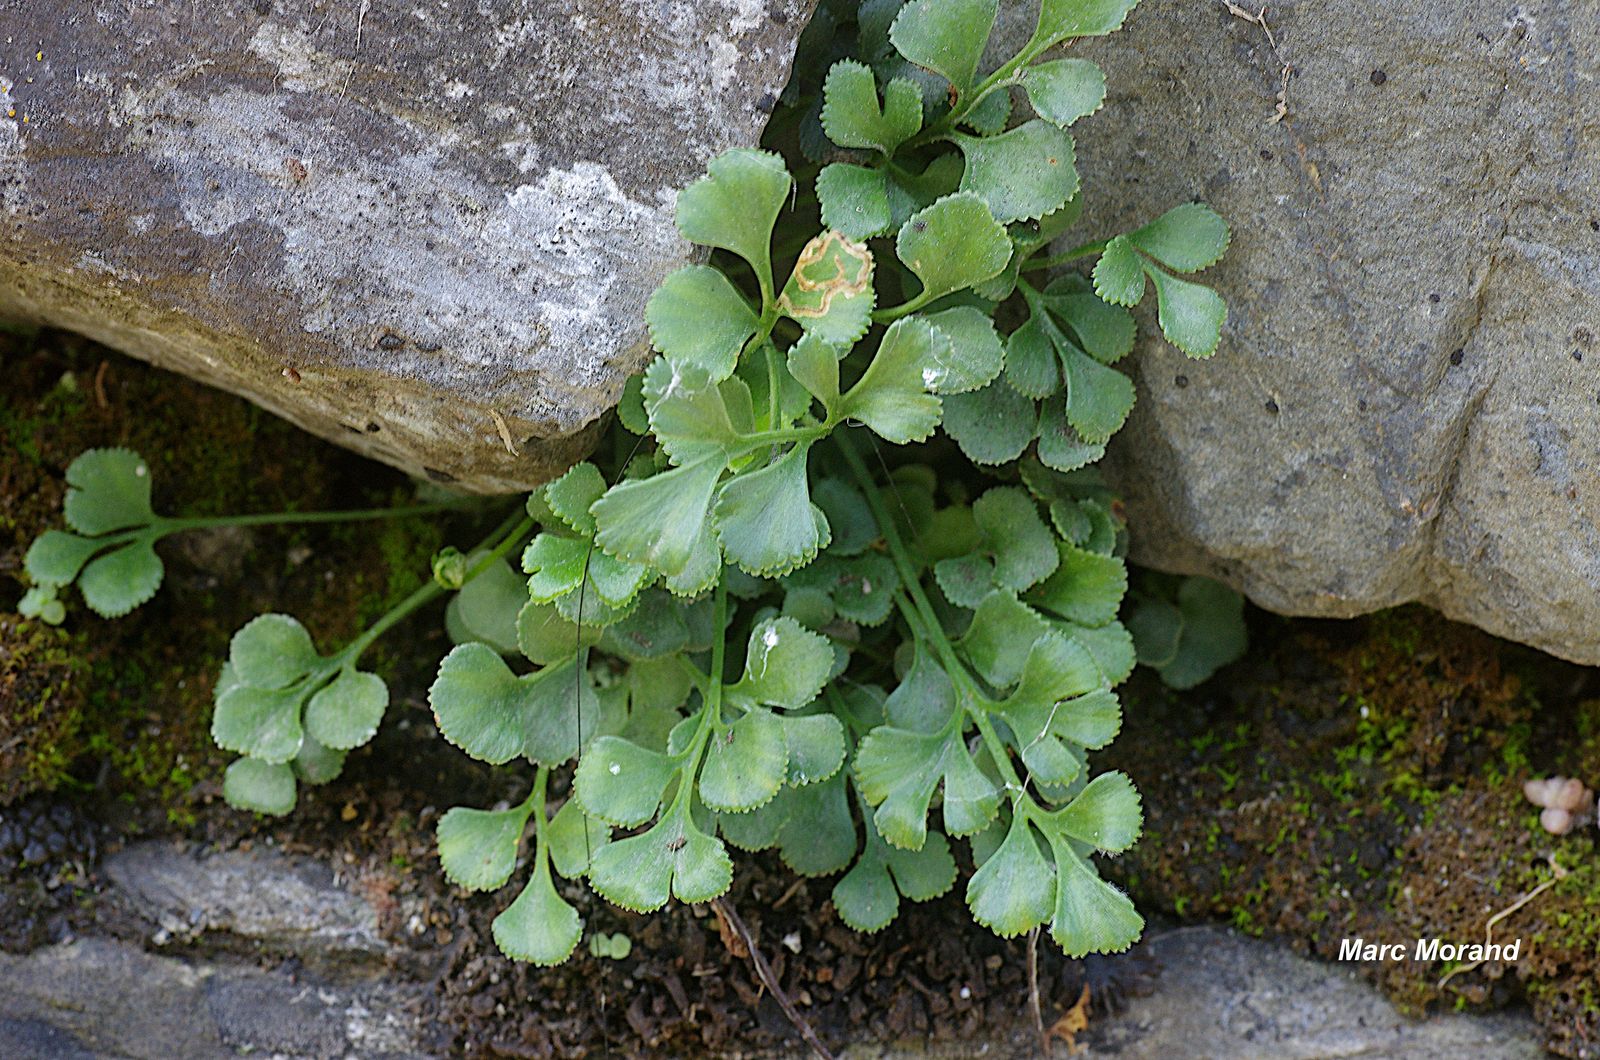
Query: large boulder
column 1406, row 403
column 426, row 231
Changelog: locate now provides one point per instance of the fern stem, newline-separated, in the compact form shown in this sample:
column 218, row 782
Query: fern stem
column 508, row 540
column 976, row 95
column 420, row 597
column 971, row 697
column 696, row 678
column 719, row 647
column 173, row 525
column 758, row 439
column 773, row 405
column 535, row 802
column 503, row 542
column 909, row 576
column 1084, row 251
column 536, row 793
column 920, row 615
column 711, row 709
column 906, row 308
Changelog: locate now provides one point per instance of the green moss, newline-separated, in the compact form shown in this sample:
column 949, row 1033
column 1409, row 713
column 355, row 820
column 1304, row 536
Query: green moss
column 158, row 747
column 41, row 706
column 140, row 704
column 1371, row 785
column 386, row 562
column 26, row 426
column 1402, row 631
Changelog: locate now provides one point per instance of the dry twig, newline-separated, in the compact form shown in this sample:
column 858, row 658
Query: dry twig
column 1033, row 992
column 1284, row 69
column 726, row 914
column 1488, row 927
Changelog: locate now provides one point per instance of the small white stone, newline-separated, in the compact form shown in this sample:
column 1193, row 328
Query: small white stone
column 1555, row 820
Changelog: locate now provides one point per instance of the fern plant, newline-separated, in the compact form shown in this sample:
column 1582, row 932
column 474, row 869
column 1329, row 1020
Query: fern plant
column 783, row 614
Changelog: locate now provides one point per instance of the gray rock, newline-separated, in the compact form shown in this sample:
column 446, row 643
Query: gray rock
column 1226, row 997
column 99, row 998
column 425, row 231
column 1217, row 996
column 1220, row 996
column 282, row 904
column 1406, row 403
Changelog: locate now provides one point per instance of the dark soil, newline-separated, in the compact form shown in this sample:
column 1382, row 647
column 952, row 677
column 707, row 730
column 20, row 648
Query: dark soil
column 1348, row 778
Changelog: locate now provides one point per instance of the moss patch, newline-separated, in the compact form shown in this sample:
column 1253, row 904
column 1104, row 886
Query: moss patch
column 1364, row 779
column 41, row 706
column 129, row 701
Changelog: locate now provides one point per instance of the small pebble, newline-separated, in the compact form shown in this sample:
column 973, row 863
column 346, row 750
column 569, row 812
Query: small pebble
column 1555, row 820
column 1564, row 801
column 1571, row 795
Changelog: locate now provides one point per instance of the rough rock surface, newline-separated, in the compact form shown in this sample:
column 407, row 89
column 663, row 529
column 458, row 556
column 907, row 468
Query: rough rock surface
column 1218, row 995
column 1406, row 403
column 1227, row 997
column 425, row 231
column 1221, row 996
column 99, row 998
column 285, row 905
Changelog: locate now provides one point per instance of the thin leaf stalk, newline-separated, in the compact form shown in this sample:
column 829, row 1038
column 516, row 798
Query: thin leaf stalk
column 920, row 615
column 177, row 524
column 711, row 709
column 500, row 542
column 535, row 802
column 1065, row 257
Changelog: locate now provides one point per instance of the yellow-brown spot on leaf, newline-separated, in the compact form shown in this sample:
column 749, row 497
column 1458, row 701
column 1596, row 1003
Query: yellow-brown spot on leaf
column 831, row 266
